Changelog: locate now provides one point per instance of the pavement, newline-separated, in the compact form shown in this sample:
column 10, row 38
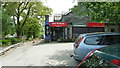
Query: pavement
column 40, row 54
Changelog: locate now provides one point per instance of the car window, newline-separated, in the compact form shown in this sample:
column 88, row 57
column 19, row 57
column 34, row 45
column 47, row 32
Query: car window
column 103, row 40
column 94, row 40
column 110, row 39
column 112, row 50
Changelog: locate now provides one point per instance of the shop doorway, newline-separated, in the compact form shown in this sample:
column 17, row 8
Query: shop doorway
column 56, row 33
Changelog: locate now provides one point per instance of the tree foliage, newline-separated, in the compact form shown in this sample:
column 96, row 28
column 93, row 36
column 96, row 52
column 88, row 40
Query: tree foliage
column 32, row 27
column 100, row 11
column 7, row 24
column 23, row 10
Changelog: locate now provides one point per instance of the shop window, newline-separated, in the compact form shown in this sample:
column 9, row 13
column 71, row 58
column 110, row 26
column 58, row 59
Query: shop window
column 112, row 30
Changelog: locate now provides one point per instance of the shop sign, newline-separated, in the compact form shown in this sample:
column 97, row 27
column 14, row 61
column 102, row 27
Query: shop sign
column 96, row 24
column 58, row 24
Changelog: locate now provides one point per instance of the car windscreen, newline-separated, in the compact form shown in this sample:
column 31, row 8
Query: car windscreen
column 112, row 50
column 103, row 40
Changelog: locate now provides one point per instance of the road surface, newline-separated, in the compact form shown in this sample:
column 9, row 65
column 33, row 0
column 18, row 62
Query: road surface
column 45, row 54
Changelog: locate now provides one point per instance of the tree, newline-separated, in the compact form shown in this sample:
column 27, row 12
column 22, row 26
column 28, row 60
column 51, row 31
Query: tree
column 7, row 24
column 100, row 11
column 24, row 10
column 31, row 27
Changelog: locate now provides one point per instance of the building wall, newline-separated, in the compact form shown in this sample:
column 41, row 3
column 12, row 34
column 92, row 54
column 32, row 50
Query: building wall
column 112, row 28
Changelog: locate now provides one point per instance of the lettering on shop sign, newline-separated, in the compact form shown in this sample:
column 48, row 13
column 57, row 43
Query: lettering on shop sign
column 58, row 24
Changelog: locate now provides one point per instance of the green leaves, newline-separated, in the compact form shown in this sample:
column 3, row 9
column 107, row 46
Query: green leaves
column 32, row 27
column 7, row 24
column 25, row 16
column 108, row 12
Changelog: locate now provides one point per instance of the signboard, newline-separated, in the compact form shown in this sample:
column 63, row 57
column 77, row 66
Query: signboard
column 96, row 25
column 47, row 28
column 58, row 24
column 47, row 32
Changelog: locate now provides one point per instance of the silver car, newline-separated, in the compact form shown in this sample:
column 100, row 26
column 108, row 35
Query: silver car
column 85, row 43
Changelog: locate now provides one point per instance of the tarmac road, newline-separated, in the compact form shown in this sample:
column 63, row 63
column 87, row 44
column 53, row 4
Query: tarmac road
column 45, row 54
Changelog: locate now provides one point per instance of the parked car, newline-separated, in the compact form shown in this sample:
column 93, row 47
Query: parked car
column 85, row 43
column 104, row 57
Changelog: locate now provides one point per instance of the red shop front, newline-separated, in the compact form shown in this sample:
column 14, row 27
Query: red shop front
column 58, row 30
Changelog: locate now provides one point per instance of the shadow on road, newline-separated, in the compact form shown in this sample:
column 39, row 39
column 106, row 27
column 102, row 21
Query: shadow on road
column 53, row 42
column 62, row 58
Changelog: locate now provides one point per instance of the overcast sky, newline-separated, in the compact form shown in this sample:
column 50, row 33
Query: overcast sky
column 60, row 6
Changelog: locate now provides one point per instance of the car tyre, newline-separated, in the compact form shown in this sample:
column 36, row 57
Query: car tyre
column 76, row 59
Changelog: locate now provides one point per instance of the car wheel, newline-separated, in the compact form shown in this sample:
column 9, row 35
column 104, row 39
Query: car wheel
column 77, row 59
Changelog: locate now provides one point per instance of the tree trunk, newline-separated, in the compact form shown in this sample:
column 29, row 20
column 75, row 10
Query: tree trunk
column 18, row 33
column 18, row 30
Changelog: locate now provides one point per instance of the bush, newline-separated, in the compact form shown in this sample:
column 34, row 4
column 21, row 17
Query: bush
column 0, row 43
column 30, row 39
column 9, row 41
column 65, row 40
column 6, row 42
column 14, row 40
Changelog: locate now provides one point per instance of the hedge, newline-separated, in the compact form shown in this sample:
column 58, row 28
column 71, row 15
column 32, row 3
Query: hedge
column 9, row 41
column 6, row 42
column 14, row 40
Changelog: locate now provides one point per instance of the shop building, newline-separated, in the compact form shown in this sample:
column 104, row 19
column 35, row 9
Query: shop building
column 70, row 26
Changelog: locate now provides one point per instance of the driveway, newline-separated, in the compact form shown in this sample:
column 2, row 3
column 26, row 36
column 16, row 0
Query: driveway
column 45, row 54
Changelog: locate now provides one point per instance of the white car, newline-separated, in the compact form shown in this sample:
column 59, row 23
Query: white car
column 85, row 43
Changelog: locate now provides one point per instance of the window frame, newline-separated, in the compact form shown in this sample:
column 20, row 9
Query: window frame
column 97, row 36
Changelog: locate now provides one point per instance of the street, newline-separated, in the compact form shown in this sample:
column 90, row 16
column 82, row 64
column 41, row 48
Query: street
column 45, row 54
column 41, row 33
